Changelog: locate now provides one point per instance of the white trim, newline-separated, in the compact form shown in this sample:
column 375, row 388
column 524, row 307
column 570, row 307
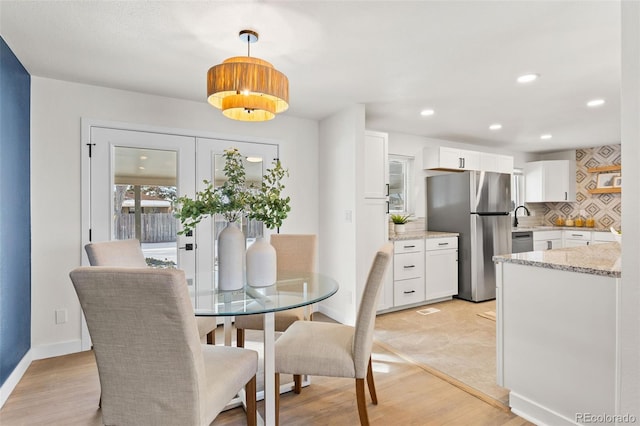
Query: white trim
column 536, row 413
column 14, row 378
column 332, row 313
column 56, row 349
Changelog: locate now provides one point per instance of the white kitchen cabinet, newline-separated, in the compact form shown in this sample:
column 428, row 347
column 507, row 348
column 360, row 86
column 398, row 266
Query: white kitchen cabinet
column 599, row 237
column 550, row 181
column 547, row 240
column 376, row 170
column 408, row 272
column 496, row 163
column 573, row 238
column 441, row 267
column 446, row 158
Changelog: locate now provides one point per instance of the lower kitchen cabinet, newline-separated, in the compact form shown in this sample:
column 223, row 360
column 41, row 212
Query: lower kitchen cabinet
column 441, row 264
column 576, row 238
column 424, row 270
column 547, row 240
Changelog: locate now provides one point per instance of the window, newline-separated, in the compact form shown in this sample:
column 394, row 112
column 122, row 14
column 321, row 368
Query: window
column 517, row 188
column 399, row 183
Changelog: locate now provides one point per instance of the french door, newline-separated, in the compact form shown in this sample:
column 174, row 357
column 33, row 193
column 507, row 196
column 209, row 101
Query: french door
column 135, row 178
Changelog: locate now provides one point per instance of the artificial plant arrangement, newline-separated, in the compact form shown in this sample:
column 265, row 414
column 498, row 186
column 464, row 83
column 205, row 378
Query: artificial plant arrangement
column 399, row 219
column 234, row 198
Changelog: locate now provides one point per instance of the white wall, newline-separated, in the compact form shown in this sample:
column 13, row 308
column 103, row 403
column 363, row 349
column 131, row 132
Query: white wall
column 630, row 292
column 412, row 146
column 340, row 134
column 56, row 111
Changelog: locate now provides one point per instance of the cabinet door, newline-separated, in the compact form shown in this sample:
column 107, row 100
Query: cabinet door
column 375, row 165
column 549, row 181
column 470, row 160
column 441, row 273
column 557, row 181
column 575, row 243
column 542, row 245
column 450, row 158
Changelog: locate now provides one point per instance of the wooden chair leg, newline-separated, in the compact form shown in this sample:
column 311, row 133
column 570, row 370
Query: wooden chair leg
column 371, row 383
column 297, row 383
column 277, row 381
column 211, row 337
column 240, row 337
column 250, row 393
column 362, row 403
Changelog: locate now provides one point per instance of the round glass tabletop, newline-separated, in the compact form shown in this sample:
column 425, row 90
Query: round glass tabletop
column 292, row 290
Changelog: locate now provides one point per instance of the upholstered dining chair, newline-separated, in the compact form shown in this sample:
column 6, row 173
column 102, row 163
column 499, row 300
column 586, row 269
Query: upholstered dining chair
column 153, row 368
column 128, row 253
column 336, row 350
column 294, row 253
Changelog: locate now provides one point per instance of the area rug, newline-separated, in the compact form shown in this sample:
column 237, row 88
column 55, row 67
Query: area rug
column 455, row 341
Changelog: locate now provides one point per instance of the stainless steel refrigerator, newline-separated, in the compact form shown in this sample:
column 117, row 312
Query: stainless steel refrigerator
column 477, row 206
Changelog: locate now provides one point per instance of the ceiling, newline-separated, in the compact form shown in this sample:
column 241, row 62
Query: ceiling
column 460, row 58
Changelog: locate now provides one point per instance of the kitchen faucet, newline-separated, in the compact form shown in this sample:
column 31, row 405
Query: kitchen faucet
column 515, row 217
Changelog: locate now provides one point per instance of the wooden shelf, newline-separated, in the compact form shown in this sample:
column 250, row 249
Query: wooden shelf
column 616, row 190
column 614, row 168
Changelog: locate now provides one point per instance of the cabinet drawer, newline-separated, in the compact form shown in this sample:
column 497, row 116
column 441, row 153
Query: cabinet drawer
column 408, row 265
column 577, row 235
column 408, row 291
column 603, row 237
column 547, row 235
column 408, row 246
column 441, row 243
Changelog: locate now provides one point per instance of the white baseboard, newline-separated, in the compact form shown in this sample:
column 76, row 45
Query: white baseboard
column 56, row 349
column 536, row 413
column 14, row 378
column 332, row 313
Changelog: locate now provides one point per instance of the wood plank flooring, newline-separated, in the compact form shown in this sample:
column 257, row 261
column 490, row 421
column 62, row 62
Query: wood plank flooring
column 65, row 391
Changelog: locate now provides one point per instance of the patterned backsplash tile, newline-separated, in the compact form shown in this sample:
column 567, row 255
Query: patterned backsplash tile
column 606, row 209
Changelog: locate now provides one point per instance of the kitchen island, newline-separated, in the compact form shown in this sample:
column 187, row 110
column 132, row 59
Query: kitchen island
column 557, row 337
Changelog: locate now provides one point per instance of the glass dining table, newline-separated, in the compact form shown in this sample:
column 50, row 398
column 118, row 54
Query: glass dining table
column 291, row 290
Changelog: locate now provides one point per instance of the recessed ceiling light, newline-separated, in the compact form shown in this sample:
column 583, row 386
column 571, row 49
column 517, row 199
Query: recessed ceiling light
column 595, row 103
column 141, row 168
column 528, row 78
column 546, row 136
column 143, row 157
column 427, row 112
column 495, row 126
column 254, row 159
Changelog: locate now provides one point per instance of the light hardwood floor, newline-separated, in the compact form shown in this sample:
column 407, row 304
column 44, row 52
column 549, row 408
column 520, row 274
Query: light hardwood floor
column 65, row 391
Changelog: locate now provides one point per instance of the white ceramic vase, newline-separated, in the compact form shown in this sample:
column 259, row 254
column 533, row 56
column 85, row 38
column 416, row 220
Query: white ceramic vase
column 231, row 243
column 261, row 264
column 399, row 228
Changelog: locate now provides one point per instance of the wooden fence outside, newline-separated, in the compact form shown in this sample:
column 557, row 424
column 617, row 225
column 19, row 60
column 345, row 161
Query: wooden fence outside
column 156, row 227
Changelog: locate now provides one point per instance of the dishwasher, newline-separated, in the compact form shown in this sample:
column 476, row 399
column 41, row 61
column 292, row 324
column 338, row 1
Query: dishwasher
column 521, row 241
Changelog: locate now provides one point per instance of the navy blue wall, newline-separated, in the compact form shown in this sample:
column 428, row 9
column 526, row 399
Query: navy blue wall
column 15, row 217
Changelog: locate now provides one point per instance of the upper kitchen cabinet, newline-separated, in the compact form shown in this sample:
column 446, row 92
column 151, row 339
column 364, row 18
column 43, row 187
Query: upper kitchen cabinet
column 376, row 168
column 550, row 181
column 496, row 163
column 445, row 158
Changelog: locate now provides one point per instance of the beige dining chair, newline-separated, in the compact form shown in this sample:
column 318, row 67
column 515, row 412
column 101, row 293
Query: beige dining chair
column 294, row 253
column 153, row 368
column 128, row 253
column 336, row 350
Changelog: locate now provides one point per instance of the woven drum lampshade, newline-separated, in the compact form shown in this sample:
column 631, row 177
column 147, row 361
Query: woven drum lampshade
column 246, row 88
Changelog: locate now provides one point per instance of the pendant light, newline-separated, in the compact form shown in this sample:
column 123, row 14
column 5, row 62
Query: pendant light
column 246, row 88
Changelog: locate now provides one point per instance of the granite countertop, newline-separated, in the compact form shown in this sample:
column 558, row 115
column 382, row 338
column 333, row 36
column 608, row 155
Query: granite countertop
column 597, row 259
column 416, row 235
column 557, row 228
